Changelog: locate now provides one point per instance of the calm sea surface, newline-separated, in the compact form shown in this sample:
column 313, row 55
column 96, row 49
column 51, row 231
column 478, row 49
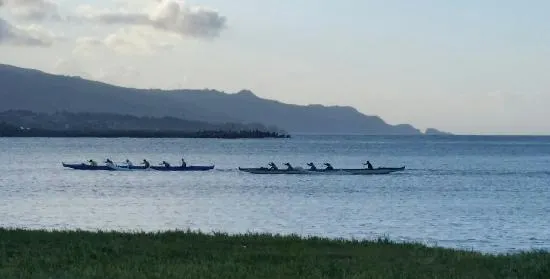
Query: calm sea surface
column 490, row 194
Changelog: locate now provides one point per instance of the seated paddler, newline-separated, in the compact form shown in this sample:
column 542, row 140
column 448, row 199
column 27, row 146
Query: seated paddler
column 289, row 166
column 369, row 165
column 312, row 166
column 328, row 166
column 110, row 163
column 272, row 166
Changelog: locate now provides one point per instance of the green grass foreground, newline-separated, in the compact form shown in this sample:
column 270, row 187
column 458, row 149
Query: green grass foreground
column 42, row 254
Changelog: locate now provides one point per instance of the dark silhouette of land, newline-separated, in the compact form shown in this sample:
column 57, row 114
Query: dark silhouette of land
column 65, row 124
column 436, row 132
column 26, row 89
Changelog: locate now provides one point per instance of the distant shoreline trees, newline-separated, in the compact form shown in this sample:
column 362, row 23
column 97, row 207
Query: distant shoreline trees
column 7, row 130
column 65, row 124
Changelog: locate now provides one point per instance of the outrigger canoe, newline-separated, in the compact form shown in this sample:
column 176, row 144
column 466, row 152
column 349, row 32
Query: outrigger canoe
column 180, row 168
column 83, row 166
column 272, row 171
column 264, row 170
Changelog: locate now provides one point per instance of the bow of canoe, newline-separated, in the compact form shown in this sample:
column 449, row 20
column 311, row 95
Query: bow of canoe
column 83, row 166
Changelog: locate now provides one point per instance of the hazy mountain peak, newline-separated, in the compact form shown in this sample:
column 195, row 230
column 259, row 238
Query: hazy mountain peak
column 246, row 93
column 432, row 131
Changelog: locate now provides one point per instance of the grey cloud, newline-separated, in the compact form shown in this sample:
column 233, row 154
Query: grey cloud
column 12, row 35
column 172, row 17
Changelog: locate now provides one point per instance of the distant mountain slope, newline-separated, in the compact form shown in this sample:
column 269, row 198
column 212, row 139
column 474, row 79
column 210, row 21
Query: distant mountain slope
column 436, row 132
column 26, row 89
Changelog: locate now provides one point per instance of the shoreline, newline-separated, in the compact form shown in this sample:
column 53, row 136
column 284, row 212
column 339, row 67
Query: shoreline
column 172, row 254
column 35, row 133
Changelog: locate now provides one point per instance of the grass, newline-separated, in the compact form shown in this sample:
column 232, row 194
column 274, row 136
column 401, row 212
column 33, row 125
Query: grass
column 55, row 254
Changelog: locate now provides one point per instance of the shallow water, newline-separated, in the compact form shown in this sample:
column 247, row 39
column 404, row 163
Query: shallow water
column 490, row 194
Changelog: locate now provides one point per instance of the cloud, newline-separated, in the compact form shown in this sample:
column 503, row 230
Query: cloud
column 122, row 75
column 135, row 41
column 117, row 74
column 33, row 35
column 69, row 66
column 88, row 46
column 170, row 16
column 127, row 41
column 33, row 10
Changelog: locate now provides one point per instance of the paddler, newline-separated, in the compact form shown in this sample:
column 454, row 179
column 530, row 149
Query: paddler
column 312, row 166
column 272, row 166
column 183, row 163
column 146, row 164
column 129, row 163
column 369, row 165
column 110, row 163
column 166, row 164
column 329, row 166
column 289, row 166
column 92, row 163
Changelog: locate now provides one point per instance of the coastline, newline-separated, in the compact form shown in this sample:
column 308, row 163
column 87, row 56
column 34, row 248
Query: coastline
column 35, row 133
column 79, row 254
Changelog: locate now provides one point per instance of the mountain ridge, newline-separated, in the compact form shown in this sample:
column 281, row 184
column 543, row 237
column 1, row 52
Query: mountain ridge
column 35, row 90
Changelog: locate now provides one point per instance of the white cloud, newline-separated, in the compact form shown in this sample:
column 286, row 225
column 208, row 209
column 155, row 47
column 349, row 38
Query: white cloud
column 122, row 75
column 33, row 35
column 88, row 46
column 68, row 66
column 127, row 41
column 33, row 10
column 134, row 41
column 168, row 15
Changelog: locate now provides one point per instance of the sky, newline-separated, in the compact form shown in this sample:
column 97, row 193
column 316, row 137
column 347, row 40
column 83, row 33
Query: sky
column 466, row 67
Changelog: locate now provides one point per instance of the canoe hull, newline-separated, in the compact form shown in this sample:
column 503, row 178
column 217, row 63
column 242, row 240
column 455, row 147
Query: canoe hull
column 382, row 170
column 269, row 171
column 128, row 168
column 323, row 171
column 83, row 166
column 179, row 168
column 138, row 167
column 86, row 167
column 392, row 169
column 367, row 171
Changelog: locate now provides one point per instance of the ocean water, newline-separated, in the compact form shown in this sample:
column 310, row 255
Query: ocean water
column 489, row 194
